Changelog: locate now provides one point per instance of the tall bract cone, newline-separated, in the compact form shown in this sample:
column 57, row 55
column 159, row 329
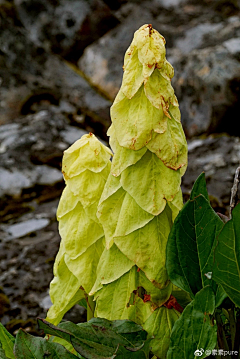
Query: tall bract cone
column 142, row 196
column 86, row 166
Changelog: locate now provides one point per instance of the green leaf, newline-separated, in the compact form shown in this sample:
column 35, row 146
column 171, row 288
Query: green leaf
column 159, row 183
column 149, row 255
column 145, row 118
column 6, row 343
column 159, row 325
column 226, row 269
column 221, row 295
column 200, row 187
column 194, row 329
column 29, row 347
column 100, row 338
column 190, row 243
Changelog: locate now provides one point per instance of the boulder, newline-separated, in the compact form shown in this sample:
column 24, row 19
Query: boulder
column 65, row 27
column 31, row 77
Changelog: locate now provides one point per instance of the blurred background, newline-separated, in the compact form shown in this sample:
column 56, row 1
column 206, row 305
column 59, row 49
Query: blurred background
column 60, row 69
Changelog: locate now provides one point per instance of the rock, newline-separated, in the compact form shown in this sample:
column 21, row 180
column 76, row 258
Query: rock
column 193, row 38
column 65, row 27
column 207, row 87
column 101, row 63
column 171, row 3
column 22, row 229
column 29, row 149
column 219, row 158
column 233, row 46
column 32, row 79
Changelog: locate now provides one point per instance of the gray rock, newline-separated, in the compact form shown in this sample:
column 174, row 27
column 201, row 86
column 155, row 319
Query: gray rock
column 65, row 27
column 206, row 86
column 194, row 37
column 102, row 63
column 171, row 3
column 218, row 157
column 72, row 134
column 33, row 79
column 233, row 46
column 46, row 302
column 22, row 229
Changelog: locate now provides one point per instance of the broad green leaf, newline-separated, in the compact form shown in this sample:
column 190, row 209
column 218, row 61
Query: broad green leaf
column 84, row 267
column 113, row 299
column 158, row 90
column 158, row 183
column 137, row 132
column 112, row 265
column 87, row 153
column 88, row 186
column 226, row 269
column 123, row 157
column 183, row 298
column 100, row 338
column 65, row 292
column 149, row 255
column 64, row 343
column 220, row 295
column 150, row 45
column 133, row 73
column 29, row 347
column 170, row 146
column 78, row 231
column 190, row 243
column 6, row 343
column 194, row 329
column 131, row 217
column 200, row 187
column 159, row 325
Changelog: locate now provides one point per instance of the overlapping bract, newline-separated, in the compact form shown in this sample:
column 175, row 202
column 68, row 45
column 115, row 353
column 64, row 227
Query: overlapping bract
column 86, row 166
column 142, row 196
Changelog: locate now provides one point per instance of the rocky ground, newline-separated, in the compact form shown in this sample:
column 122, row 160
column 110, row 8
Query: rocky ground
column 60, row 69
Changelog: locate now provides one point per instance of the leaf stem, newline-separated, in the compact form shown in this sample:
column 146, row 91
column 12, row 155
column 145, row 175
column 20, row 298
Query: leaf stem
column 90, row 307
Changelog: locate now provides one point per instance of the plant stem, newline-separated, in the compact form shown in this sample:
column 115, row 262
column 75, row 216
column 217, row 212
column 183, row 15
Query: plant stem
column 90, row 307
column 237, row 335
column 232, row 325
column 234, row 190
column 222, row 341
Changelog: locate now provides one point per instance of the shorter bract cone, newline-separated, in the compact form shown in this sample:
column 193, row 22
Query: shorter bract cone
column 86, row 166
